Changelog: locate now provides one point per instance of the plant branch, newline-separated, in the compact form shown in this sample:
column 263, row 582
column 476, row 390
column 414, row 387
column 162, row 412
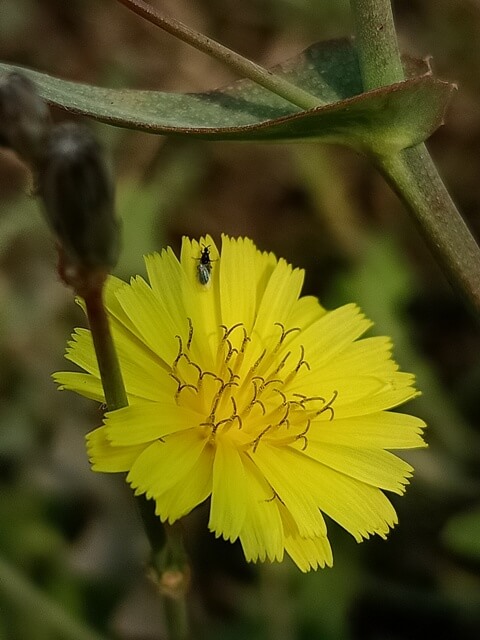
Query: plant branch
column 377, row 45
column 241, row 65
column 110, row 372
column 412, row 173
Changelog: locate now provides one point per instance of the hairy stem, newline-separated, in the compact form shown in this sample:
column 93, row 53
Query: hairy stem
column 377, row 45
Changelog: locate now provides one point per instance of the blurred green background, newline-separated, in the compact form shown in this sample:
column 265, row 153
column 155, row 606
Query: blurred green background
column 72, row 538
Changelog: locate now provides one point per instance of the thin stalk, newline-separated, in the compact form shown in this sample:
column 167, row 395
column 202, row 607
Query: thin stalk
column 415, row 179
column 412, row 173
column 110, row 373
column 32, row 602
column 238, row 63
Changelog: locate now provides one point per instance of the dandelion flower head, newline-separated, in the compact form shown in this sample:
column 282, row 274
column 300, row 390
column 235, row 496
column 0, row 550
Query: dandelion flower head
column 245, row 393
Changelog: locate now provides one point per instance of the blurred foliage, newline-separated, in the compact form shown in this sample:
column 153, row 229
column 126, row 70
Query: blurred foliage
column 74, row 535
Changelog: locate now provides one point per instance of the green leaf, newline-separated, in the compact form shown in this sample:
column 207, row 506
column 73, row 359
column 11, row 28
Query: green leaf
column 382, row 121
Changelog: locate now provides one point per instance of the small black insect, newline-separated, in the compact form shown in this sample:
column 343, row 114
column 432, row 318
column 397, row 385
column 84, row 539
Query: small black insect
column 204, row 267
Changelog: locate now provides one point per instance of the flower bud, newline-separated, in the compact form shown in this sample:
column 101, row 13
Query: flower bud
column 78, row 196
column 24, row 117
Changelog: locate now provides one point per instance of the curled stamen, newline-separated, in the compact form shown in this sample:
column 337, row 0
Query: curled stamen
column 305, row 445
column 209, row 373
column 224, row 421
column 284, row 331
column 306, row 399
column 245, row 341
column 194, row 364
column 298, row 403
column 256, row 442
column 180, row 352
column 282, row 363
column 328, row 406
column 233, row 375
column 302, row 361
column 182, row 387
column 228, row 384
column 231, row 351
column 265, row 383
column 228, row 332
column 237, row 417
column 283, row 335
column 177, row 380
column 305, row 431
column 218, row 396
column 280, row 392
column 215, row 403
column 257, row 388
column 190, row 333
column 257, row 401
column 284, row 420
column 271, row 382
column 257, row 362
column 274, row 496
column 311, row 398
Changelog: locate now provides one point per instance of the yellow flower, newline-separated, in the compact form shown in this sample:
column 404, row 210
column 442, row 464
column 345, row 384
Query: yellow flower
column 245, row 393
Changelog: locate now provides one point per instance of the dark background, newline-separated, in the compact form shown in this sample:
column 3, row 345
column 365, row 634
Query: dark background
column 74, row 534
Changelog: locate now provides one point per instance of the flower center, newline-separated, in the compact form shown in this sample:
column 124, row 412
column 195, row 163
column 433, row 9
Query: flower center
column 250, row 390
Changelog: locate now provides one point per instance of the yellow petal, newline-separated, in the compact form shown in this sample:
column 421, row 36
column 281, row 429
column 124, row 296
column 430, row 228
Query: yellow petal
column 377, row 467
column 229, row 503
column 162, row 464
column 309, row 553
column 332, row 333
column 165, row 274
column 238, row 281
column 145, row 422
column 191, row 489
column 358, row 507
column 106, row 458
column 305, row 312
column 262, row 532
column 279, row 297
column 82, row 383
column 154, row 327
column 283, row 469
column 385, row 430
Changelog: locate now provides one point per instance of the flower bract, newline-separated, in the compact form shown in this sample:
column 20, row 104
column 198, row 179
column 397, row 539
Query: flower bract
column 243, row 392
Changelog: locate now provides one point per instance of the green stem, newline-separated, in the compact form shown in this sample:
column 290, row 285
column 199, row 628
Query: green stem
column 414, row 177
column 31, row 602
column 177, row 618
column 110, row 373
column 377, row 45
column 170, row 566
column 244, row 67
column 412, row 173
column 175, row 565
